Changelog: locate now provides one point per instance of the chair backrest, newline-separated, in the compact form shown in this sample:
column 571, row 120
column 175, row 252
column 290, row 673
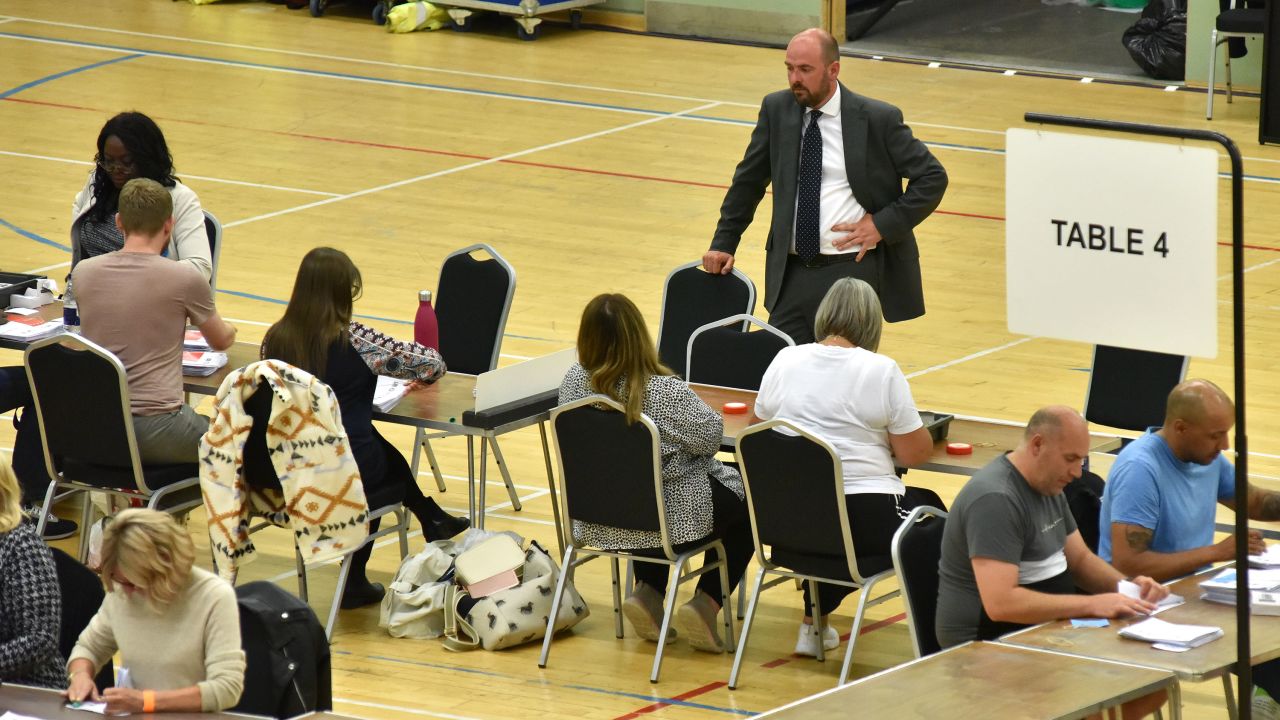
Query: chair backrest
column 795, row 493
column 280, row 632
column 259, row 471
column 213, row 229
column 1128, row 388
column 916, row 549
column 82, row 595
column 610, row 472
column 473, row 299
column 1084, row 498
column 725, row 355
column 82, row 400
column 692, row 298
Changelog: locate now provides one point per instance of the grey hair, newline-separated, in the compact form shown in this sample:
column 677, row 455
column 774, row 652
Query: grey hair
column 850, row 310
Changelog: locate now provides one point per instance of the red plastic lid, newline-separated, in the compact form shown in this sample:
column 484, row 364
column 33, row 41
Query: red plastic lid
column 735, row 408
column 959, row 448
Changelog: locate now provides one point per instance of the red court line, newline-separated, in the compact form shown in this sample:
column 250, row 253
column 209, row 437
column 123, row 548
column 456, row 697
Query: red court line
column 843, row 638
column 682, row 696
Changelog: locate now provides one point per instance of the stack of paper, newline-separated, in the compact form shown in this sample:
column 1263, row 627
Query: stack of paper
column 29, row 328
column 388, row 392
column 194, row 340
column 1133, row 590
column 1222, row 587
column 202, row 364
column 1268, row 559
column 1159, row 632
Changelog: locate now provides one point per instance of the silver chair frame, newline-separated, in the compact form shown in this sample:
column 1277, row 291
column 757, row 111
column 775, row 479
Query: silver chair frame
column 153, row 497
column 767, row 567
column 1216, row 38
column 422, row 439
column 215, row 247
column 914, row 517
column 676, row 561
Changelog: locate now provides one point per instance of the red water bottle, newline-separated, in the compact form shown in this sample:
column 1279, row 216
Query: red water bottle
column 425, row 328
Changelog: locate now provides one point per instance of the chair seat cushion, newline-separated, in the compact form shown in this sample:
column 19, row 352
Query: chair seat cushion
column 119, row 478
column 1244, row 20
column 829, row 566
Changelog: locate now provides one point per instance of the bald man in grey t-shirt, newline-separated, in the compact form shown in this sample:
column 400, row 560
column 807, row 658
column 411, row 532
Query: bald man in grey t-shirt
column 1011, row 554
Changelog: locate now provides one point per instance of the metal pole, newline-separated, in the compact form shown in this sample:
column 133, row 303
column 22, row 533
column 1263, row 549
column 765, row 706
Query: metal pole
column 1243, row 654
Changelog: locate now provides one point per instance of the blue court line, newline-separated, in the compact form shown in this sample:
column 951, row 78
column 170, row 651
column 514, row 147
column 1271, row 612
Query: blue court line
column 536, row 681
column 64, row 73
column 32, row 236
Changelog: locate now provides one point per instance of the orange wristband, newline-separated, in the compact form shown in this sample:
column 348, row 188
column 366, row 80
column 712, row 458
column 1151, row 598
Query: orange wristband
column 148, row 701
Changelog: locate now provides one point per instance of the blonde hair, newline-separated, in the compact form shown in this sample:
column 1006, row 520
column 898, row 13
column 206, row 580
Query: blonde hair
column 10, row 499
column 151, row 550
column 614, row 345
column 144, row 207
column 850, row 310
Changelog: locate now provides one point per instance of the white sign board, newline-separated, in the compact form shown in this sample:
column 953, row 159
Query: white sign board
column 522, row 380
column 1112, row 242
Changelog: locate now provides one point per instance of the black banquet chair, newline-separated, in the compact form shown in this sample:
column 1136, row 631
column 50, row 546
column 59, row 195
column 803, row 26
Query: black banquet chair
column 692, row 298
column 795, row 492
column 81, row 396
column 611, row 474
column 721, row 353
column 916, row 549
column 472, row 302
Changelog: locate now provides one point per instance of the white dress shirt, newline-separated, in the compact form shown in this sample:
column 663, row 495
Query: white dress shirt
column 837, row 203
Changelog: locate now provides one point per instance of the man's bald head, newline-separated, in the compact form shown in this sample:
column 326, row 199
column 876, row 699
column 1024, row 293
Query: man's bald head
column 1194, row 401
column 1052, row 421
column 1197, row 420
column 826, row 43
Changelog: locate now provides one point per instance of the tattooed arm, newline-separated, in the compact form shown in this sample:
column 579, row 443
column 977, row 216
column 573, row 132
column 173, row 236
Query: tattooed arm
column 1131, row 553
column 1263, row 504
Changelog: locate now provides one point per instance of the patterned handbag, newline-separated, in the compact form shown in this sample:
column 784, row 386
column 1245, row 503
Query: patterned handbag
column 516, row 615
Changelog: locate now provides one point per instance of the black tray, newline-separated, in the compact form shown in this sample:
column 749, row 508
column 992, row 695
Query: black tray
column 938, row 424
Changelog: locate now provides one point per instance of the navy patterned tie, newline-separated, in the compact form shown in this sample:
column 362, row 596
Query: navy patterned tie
column 809, row 193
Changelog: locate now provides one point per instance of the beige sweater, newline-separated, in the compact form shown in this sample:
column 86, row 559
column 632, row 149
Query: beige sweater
column 194, row 641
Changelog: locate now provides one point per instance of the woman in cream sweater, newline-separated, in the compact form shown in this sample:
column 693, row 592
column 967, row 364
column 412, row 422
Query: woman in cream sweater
column 176, row 626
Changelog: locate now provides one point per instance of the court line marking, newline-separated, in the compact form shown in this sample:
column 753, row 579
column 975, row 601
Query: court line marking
column 73, row 71
column 397, row 708
column 245, row 183
column 970, row 356
column 716, row 685
column 465, row 73
column 468, row 166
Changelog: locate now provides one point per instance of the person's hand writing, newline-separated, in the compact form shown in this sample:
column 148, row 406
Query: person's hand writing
column 862, row 232
column 1115, row 605
column 717, row 262
column 122, row 701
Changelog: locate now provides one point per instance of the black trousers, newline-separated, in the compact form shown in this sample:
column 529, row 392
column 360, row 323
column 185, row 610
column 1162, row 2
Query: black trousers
column 28, row 449
column 873, row 519
column 803, row 289
column 732, row 525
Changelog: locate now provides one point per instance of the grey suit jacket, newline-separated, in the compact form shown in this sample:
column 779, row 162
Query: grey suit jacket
column 879, row 152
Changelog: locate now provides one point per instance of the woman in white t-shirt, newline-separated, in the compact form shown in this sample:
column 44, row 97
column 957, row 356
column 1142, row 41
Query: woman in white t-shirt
column 843, row 391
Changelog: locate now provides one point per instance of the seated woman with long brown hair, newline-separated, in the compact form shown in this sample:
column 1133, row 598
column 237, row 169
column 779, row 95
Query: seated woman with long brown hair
column 317, row 334
column 704, row 498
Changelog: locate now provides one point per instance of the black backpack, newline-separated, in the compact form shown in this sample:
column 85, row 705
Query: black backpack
column 287, row 671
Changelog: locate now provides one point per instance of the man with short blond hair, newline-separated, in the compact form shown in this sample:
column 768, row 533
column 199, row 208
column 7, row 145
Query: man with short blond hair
column 136, row 303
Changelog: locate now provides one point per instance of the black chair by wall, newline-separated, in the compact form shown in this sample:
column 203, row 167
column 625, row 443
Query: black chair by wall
column 1239, row 19
column 917, row 548
column 611, row 474
column 795, row 492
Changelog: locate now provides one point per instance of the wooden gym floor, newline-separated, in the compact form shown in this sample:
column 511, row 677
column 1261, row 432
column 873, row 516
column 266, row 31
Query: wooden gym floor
column 594, row 161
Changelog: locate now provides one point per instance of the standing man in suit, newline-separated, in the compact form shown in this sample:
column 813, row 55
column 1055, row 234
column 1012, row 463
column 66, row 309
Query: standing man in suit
column 836, row 161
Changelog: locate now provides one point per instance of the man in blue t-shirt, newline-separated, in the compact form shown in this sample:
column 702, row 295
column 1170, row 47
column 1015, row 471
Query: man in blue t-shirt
column 1158, row 509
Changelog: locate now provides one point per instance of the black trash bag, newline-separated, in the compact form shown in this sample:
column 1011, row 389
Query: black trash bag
column 1158, row 41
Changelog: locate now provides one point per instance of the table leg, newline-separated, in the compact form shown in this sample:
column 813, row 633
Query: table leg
column 551, row 485
column 484, row 481
column 1175, row 700
column 471, row 480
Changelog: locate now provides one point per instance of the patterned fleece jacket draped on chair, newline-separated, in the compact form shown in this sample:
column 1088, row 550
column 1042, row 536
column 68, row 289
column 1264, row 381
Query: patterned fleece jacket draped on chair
column 323, row 499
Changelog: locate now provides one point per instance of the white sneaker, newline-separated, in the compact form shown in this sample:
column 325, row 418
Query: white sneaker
column 807, row 642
